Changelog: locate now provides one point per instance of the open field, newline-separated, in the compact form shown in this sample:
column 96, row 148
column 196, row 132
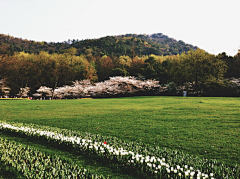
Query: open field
column 205, row 127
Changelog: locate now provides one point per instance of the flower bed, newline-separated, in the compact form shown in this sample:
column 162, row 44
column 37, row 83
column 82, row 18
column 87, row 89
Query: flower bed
column 155, row 161
column 33, row 163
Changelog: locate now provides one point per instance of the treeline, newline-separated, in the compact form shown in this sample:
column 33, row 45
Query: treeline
column 114, row 46
column 195, row 71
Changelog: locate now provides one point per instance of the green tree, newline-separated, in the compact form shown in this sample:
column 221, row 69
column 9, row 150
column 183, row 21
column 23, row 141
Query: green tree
column 118, row 72
column 72, row 51
column 175, row 68
column 124, row 62
column 104, row 66
column 148, row 68
column 78, row 67
column 237, row 65
column 230, row 62
column 199, row 67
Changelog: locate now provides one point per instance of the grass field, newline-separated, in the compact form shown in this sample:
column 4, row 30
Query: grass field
column 205, row 127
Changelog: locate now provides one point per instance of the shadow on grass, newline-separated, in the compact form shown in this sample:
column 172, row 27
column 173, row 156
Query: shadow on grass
column 7, row 172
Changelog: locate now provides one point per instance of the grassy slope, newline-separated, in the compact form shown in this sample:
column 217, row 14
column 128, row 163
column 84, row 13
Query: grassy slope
column 209, row 127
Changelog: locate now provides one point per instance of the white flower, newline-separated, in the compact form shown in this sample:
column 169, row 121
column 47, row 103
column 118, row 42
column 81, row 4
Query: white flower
column 101, row 147
column 192, row 173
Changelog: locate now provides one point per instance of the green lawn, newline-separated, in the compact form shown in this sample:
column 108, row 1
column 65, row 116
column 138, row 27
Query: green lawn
column 206, row 127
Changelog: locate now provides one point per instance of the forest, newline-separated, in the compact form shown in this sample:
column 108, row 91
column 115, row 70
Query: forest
column 176, row 65
column 129, row 44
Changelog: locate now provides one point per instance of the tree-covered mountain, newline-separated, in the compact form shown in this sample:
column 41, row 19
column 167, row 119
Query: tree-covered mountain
column 28, row 64
column 130, row 45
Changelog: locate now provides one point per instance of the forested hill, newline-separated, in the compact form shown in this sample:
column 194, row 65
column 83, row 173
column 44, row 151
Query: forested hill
column 129, row 44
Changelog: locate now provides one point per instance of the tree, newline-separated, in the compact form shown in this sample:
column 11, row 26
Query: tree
column 148, row 70
column 90, row 71
column 48, row 73
column 104, row 66
column 18, row 71
column 78, row 67
column 175, row 68
column 230, row 62
column 137, row 66
column 237, row 65
column 119, row 86
column 124, row 62
column 6, row 50
column 199, row 67
column 3, row 88
column 118, row 72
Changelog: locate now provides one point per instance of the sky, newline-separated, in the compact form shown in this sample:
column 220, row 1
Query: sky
column 212, row 25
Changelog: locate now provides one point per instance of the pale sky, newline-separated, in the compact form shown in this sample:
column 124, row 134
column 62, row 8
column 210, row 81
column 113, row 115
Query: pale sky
column 212, row 25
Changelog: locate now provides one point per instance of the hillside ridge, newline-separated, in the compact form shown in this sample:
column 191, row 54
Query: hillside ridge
column 118, row 45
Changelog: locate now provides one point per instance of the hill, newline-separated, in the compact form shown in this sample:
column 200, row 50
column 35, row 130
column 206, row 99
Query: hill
column 129, row 44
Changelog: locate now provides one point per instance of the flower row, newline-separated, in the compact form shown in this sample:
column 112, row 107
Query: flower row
column 160, row 162
column 36, row 164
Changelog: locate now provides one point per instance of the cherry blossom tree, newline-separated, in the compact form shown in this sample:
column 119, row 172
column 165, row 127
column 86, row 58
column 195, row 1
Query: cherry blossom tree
column 115, row 86
column 44, row 91
column 24, row 92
